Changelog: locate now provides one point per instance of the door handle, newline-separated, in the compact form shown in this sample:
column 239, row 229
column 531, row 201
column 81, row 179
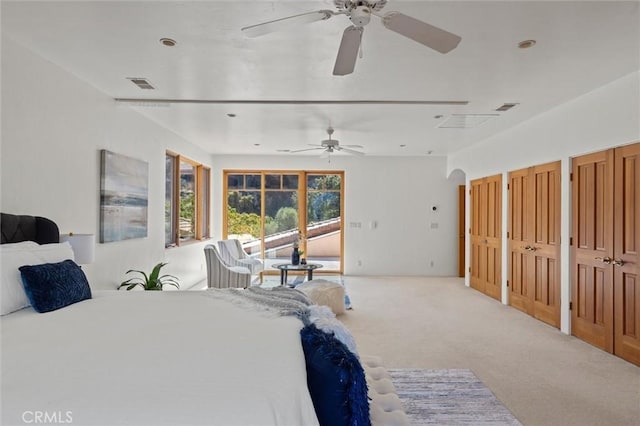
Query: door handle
column 607, row 260
column 618, row 262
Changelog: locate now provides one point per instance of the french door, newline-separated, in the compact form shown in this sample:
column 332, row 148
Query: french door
column 270, row 211
column 605, row 250
column 534, row 241
column 486, row 235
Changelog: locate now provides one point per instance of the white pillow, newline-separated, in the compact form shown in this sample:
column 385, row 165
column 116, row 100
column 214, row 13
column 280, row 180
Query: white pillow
column 13, row 256
column 323, row 292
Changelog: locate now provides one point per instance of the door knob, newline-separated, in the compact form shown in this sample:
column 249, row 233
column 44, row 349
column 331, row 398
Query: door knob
column 618, row 262
column 606, row 260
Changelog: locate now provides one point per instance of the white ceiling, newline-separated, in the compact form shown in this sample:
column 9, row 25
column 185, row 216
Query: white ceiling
column 581, row 45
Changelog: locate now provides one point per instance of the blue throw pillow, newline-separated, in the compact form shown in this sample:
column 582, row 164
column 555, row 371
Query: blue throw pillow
column 52, row 286
column 336, row 380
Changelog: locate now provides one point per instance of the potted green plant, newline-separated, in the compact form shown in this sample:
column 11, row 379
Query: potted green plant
column 153, row 281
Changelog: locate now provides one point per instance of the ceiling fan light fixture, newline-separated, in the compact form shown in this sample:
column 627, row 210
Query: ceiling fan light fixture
column 360, row 16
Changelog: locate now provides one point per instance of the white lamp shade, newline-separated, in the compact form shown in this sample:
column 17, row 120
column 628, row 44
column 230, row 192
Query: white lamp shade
column 83, row 246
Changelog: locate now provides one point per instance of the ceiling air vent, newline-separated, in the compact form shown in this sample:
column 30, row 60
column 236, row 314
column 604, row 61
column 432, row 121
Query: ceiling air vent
column 142, row 83
column 506, row 107
column 465, row 121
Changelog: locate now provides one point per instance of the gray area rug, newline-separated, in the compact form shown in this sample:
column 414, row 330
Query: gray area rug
column 448, row 397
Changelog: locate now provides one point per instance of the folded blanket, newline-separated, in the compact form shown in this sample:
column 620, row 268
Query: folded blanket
column 279, row 301
column 284, row 301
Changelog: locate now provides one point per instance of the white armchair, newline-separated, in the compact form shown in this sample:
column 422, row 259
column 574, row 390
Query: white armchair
column 233, row 254
column 221, row 275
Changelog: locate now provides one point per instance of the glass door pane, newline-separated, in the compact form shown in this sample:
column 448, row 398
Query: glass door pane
column 324, row 221
column 281, row 220
column 244, row 206
column 187, row 222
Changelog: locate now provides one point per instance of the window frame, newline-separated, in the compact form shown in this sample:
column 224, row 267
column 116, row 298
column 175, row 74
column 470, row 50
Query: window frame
column 302, row 197
column 202, row 200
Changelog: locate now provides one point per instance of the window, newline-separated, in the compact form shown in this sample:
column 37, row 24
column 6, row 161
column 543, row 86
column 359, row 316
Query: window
column 269, row 210
column 187, row 200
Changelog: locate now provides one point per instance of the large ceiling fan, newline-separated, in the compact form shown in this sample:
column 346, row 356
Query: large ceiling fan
column 359, row 12
column 329, row 146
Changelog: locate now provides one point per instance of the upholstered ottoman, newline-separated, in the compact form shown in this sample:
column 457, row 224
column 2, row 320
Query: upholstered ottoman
column 385, row 408
column 323, row 292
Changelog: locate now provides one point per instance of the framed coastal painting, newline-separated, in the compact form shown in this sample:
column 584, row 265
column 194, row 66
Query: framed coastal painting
column 124, row 196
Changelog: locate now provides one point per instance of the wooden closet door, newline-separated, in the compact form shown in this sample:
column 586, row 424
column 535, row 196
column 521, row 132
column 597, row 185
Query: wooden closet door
column 519, row 234
column 534, row 241
column 545, row 247
column 477, row 230
column 626, row 264
column 486, row 234
column 592, row 246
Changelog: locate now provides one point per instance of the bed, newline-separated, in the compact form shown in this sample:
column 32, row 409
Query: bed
column 166, row 358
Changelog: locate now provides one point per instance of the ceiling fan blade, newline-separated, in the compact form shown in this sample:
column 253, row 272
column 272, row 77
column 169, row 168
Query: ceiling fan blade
column 348, row 52
column 351, row 146
column 284, row 23
column 306, row 149
column 350, row 151
column 433, row 37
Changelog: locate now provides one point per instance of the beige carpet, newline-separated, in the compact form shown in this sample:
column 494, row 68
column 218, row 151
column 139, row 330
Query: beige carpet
column 541, row 375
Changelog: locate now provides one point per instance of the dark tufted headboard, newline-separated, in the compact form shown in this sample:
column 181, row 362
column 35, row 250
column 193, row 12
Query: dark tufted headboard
column 17, row 228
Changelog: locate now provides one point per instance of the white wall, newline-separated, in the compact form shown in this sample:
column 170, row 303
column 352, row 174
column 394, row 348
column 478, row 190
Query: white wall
column 397, row 193
column 53, row 128
column 604, row 118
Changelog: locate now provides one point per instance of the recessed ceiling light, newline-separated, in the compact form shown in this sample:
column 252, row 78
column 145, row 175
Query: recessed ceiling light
column 437, row 117
column 231, row 115
column 403, row 145
column 168, row 42
column 256, row 144
column 525, row 44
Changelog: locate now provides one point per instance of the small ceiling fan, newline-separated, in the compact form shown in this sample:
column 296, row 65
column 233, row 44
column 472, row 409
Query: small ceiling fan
column 359, row 12
column 329, row 146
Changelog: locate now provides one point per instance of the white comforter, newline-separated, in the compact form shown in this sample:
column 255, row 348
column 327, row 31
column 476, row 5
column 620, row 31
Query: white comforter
column 153, row 358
